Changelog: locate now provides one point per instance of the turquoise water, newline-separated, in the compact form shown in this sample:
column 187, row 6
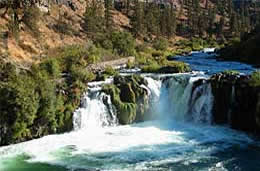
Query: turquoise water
column 157, row 145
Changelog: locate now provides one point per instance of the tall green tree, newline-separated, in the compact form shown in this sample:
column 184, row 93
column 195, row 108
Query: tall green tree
column 93, row 17
column 220, row 26
column 151, row 18
column 171, row 21
column 137, row 20
column 108, row 14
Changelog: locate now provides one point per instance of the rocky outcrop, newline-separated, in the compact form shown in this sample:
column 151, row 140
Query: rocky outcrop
column 129, row 98
column 115, row 64
column 45, row 5
column 236, row 102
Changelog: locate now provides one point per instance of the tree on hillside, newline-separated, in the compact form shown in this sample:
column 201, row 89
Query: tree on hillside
column 220, row 26
column 151, row 19
column 93, row 17
column 127, row 7
column 108, row 14
column 137, row 19
column 190, row 16
column 171, row 22
column 234, row 24
column 211, row 20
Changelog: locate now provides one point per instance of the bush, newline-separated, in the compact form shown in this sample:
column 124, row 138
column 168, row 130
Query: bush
column 130, row 65
column 110, row 71
column 255, row 79
column 123, row 43
column 161, row 44
column 197, row 44
column 152, row 68
column 52, row 67
column 94, row 55
column 63, row 28
column 14, row 29
column 231, row 72
column 80, row 74
column 30, row 19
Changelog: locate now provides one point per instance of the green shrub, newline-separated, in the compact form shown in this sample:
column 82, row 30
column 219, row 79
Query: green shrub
column 52, row 66
column 94, row 55
column 110, row 71
column 152, row 68
column 123, row 43
column 197, row 44
column 63, row 28
column 130, row 65
column 30, row 19
column 14, row 29
column 80, row 74
column 231, row 72
column 142, row 47
column 19, row 103
column 161, row 44
column 255, row 79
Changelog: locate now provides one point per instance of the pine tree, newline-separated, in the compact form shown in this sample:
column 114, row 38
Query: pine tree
column 171, row 21
column 230, row 8
column 196, row 15
column 93, row 17
column 211, row 20
column 190, row 16
column 202, row 23
column 151, row 20
column 220, row 26
column 108, row 14
column 163, row 21
column 137, row 19
column 127, row 7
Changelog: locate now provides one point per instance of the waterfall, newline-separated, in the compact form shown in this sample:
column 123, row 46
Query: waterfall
column 178, row 98
column 202, row 100
column 175, row 97
column 96, row 112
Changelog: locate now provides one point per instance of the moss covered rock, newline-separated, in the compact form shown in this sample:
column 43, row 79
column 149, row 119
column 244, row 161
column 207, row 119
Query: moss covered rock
column 236, row 101
column 129, row 98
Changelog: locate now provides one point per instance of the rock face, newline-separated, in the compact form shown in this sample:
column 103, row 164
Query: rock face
column 129, row 98
column 236, row 102
column 45, row 5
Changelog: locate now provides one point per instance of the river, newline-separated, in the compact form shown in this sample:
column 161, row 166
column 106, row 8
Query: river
column 181, row 136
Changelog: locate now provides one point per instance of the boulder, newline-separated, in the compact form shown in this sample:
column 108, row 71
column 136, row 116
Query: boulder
column 236, row 102
column 129, row 98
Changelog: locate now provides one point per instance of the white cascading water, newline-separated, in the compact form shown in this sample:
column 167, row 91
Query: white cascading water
column 94, row 113
column 172, row 141
column 201, row 104
column 178, row 100
column 172, row 98
column 96, row 109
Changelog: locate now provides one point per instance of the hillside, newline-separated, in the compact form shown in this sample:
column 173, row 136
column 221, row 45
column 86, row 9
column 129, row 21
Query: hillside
column 61, row 23
column 58, row 26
